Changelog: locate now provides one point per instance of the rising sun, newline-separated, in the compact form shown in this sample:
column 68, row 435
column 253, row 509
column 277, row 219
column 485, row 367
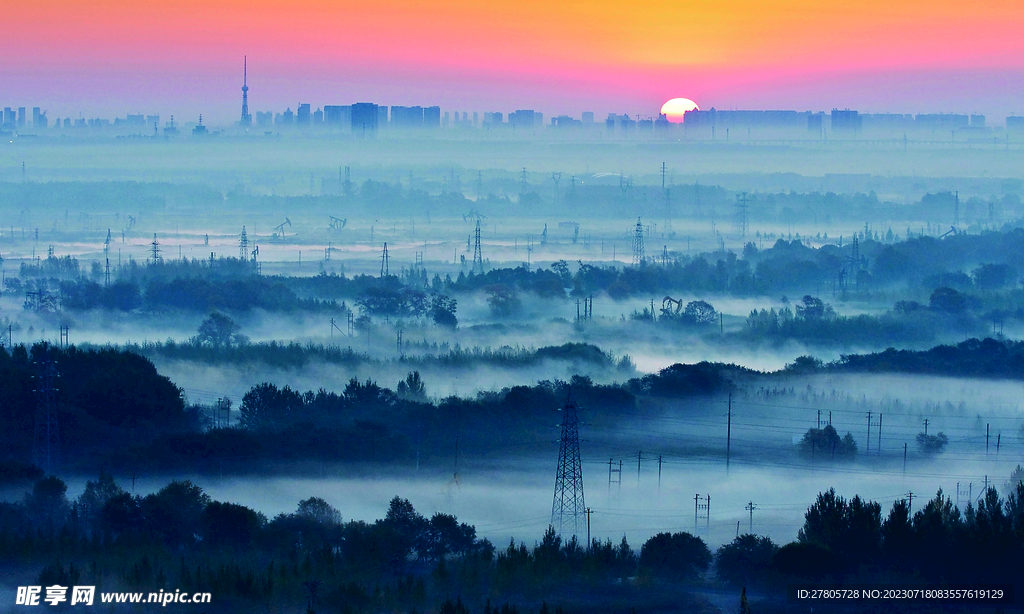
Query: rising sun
column 675, row 108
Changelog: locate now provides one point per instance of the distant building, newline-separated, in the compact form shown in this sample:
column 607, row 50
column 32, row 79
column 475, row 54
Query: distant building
column 942, row 121
column 846, row 121
column 365, row 116
column 10, row 119
column 977, row 121
column 588, row 117
column 200, row 129
column 816, row 122
column 264, row 118
column 494, row 119
column 152, row 120
column 285, row 119
column 1015, row 122
column 302, row 115
column 564, row 121
column 622, row 123
column 407, row 117
column 525, row 118
column 337, row 116
column 887, row 122
column 746, row 119
column 382, row 116
column 431, row 117
column 22, row 117
column 38, row 119
column 318, row 117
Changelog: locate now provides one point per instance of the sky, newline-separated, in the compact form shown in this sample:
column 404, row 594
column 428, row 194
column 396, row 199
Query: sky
column 110, row 57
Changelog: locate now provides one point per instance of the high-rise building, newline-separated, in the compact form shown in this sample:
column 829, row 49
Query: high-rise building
column 303, row 115
column 382, row 115
column 318, row 117
column 337, row 116
column 846, row 121
column 524, row 118
column 365, row 116
column 588, row 117
column 9, row 118
column 264, row 118
column 407, row 117
column 38, row 118
column 246, row 118
column 22, row 117
column 432, row 117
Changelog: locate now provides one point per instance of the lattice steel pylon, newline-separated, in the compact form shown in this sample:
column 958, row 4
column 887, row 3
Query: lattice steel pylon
column 478, row 258
column 638, row 244
column 46, row 440
column 568, row 510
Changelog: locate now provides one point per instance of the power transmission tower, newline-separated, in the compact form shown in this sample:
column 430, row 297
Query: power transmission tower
column 478, row 259
column 243, row 246
column 385, row 262
column 741, row 215
column 638, row 244
column 154, row 250
column 522, row 182
column 568, row 507
column 557, row 178
column 46, row 442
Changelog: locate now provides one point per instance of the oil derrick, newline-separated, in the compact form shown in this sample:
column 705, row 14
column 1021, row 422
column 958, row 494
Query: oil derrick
column 154, row 250
column 568, row 508
column 638, row 244
column 478, row 259
column 243, row 246
column 46, row 440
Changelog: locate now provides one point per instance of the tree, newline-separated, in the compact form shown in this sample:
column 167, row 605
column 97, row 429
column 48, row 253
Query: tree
column 318, row 511
column 219, row 330
column 700, row 312
column 932, row 444
column 675, row 556
column 95, row 497
column 47, row 504
column 267, row 406
column 175, row 512
column 442, row 311
column 231, row 524
column 813, row 309
column 412, row 388
column 947, row 300
column 746, row 561
column 850, row 529
column 826, row 441
column 502, row 299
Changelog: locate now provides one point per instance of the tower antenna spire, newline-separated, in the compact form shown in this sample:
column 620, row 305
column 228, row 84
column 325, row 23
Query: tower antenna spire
column 246, row 118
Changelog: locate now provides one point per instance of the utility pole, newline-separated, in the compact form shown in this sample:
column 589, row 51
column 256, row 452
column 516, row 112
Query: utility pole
column 639, row 455
column 751, row 507
column 728, row 435
column 904, row 458
column 589, row 512
column 926, row 426
column 659, row 473
column 869, row 432
column 986, row 439
column 879, row 451
column 910, row 508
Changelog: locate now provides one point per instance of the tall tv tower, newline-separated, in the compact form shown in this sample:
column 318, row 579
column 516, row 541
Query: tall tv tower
column 246, row 118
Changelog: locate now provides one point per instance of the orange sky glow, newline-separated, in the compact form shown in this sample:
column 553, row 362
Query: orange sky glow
column 476, row 55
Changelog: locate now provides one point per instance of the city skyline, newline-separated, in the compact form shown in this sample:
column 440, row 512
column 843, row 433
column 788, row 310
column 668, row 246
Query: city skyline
column 114, row 56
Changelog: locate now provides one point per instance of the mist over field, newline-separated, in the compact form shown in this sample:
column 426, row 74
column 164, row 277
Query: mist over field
column 306, row 326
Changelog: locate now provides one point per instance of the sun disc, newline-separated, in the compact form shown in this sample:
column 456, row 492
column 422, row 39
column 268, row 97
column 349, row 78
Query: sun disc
column 675, row 109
